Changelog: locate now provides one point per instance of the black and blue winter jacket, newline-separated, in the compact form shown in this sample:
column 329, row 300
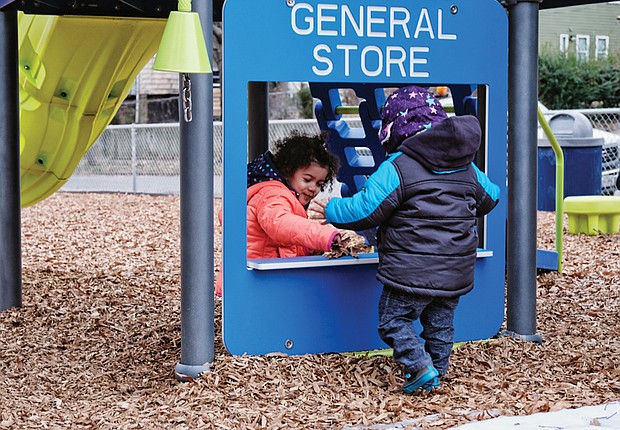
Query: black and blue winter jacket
column 425, row 199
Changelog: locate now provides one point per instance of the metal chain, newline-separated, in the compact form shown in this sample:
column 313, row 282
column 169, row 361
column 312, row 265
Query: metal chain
column 187, row 98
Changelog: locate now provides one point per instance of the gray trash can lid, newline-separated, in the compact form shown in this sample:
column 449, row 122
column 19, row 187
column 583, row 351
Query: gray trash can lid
column 572, row 129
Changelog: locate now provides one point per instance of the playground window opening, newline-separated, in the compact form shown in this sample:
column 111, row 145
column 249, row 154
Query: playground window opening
column 350, row 114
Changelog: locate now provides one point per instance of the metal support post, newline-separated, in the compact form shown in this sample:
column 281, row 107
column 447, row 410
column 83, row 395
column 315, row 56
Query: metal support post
column 196, row 140
column 522, row 170
column 258, row 119
column 134, row 159
column 10, row 205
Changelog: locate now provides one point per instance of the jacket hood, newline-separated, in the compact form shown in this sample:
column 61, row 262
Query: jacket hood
column 262, row 169
column 449, row 145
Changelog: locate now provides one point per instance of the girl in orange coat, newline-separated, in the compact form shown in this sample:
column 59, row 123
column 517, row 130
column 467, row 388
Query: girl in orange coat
column 280, row 189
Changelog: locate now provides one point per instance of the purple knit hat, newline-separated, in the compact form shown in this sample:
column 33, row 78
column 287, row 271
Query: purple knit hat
column 407, row 111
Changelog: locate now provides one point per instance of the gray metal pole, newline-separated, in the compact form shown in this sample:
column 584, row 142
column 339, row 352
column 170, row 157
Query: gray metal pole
column 522, row 170
column 258, row 119
column 134, row 159
column 10, row 205
column 196, row 140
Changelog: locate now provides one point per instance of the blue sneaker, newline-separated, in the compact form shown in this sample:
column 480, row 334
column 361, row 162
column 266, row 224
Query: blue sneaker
column 411, row 385
column 429, row 386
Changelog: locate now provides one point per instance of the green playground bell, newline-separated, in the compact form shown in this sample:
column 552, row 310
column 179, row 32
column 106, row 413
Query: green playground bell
column 182, row 48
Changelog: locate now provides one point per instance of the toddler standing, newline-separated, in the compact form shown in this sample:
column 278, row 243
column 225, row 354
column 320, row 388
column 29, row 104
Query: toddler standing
column 425, row 199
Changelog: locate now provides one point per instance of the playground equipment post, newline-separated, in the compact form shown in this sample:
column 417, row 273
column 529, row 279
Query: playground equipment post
column 522, row 159
column 10, row 210
column 196, row 161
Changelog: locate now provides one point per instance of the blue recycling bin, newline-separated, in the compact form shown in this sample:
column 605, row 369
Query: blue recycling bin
column 582, row 159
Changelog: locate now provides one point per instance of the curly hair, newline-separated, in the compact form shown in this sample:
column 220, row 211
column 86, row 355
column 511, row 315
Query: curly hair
column 298, row 151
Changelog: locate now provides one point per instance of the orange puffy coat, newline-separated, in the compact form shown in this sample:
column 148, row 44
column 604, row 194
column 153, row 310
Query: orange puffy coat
column 278, row 226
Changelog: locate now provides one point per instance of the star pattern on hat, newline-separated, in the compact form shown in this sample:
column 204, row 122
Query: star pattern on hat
column 407, row 111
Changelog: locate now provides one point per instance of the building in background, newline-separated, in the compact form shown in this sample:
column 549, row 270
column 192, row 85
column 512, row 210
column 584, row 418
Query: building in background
column 589, row 31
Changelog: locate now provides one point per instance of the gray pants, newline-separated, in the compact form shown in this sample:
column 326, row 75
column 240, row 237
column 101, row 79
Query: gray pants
column 398, row 310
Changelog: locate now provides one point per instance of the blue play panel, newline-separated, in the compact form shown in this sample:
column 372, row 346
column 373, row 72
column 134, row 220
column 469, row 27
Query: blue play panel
column 546, row 259
column 312, row 304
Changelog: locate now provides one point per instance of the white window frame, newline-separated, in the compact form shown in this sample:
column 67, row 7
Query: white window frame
column 598, row 54
column 564, row 43
column 583, row 54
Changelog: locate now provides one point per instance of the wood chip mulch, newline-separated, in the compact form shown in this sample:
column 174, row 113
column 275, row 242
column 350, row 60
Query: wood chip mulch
column 96, row 340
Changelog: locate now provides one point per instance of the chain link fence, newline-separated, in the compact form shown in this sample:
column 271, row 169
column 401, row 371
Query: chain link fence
column 144, row 158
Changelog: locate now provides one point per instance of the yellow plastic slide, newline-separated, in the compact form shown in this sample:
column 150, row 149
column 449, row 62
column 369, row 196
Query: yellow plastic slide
column 74, row 73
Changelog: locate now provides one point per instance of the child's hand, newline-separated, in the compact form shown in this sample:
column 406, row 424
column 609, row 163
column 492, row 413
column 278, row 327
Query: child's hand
column 337, row 242
column 316, row 211
column 347, row 242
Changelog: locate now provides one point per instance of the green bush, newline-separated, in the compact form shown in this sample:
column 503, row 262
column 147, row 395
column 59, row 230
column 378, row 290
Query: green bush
column 564, row 82
column 305, row 102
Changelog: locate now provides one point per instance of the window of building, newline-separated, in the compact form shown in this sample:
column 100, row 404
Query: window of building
column 564, row 41
column 583, row 47
column 602, row 47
